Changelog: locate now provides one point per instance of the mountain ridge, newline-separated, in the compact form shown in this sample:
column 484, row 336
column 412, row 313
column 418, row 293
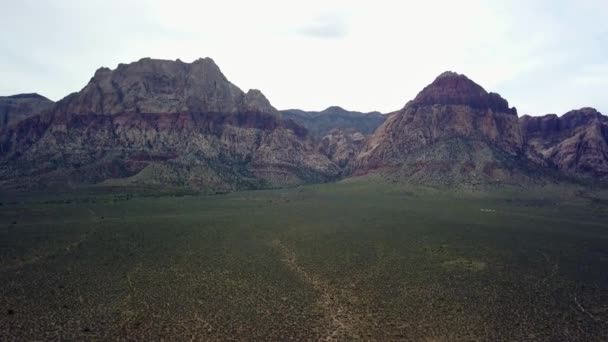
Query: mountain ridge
column 320, row 123
column 162, row 122
column 15, row 108
column 454, row 132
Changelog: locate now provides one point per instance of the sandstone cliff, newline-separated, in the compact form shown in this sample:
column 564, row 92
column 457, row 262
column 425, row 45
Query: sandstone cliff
column 576, row 143
column 452, row 132
column 158, row 122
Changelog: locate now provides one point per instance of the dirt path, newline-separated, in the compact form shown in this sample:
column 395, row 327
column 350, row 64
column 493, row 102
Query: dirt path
column 342, row 321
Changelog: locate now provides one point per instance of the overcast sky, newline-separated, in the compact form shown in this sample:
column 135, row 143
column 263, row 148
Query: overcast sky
column 545, row 56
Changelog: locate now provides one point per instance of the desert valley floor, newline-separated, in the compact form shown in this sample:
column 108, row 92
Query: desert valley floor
column 352, row 260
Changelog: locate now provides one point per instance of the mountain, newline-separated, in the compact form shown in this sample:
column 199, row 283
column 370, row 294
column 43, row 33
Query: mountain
column 161, row 123
column 165, row 87
column 321, row 123
column 453, row 133
column 164, row 123
column 575, row 143
column 22, row 106
column 340, row 134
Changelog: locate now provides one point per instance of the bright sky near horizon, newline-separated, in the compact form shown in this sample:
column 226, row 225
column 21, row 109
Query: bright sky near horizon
column 543, row 56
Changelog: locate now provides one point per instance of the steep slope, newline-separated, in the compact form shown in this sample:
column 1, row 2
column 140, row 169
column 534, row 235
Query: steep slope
column 22, row 106
column 575, row 143
column 322, row 123
column 453, row 133
column 164, row 123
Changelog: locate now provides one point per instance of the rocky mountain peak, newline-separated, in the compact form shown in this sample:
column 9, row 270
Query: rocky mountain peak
column 334, row 110
column 31, row 96
column 454, row 132
column 161, row 123
column 255, row 101
column 18, row 107
column 450, row 74
column 156, row 86
column 451, row 88
column 102, row 71
column 583, row 116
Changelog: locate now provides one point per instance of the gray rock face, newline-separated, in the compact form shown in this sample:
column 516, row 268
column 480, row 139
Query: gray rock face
column 342, row 146
column 164, row 87
column 19, row 107
column 161, row 123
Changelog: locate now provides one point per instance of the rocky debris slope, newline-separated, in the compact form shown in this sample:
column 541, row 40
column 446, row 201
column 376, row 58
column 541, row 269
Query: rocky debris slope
column 575, row 143
column 19, row 107
column 159, row 122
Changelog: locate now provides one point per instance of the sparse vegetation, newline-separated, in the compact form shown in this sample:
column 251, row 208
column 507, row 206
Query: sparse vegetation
column 354, row 260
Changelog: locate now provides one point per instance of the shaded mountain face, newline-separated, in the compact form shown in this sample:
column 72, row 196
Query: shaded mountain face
column 342, row 145
column 165, row 123
column 453, row 132
column 575, row 143
column 19, row 107
column 339, row 134
column 319, row 124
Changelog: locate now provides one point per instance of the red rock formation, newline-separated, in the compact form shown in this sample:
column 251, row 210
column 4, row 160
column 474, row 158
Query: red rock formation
column 452, row 124
column 575, row 143
column 203, row 132
column 451, row 88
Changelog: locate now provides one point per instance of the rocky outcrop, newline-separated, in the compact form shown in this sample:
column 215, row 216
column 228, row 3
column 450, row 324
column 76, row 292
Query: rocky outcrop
column 453, row 131
column 322, row 123
column 576, row 143
column 342, row 146
column 451, row 88
column 167, row 123
column 20, row 107
column 163, row 86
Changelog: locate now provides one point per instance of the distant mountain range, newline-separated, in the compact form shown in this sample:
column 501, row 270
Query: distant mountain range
column 321, row 123
column 19, row 107
column 161, row 123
